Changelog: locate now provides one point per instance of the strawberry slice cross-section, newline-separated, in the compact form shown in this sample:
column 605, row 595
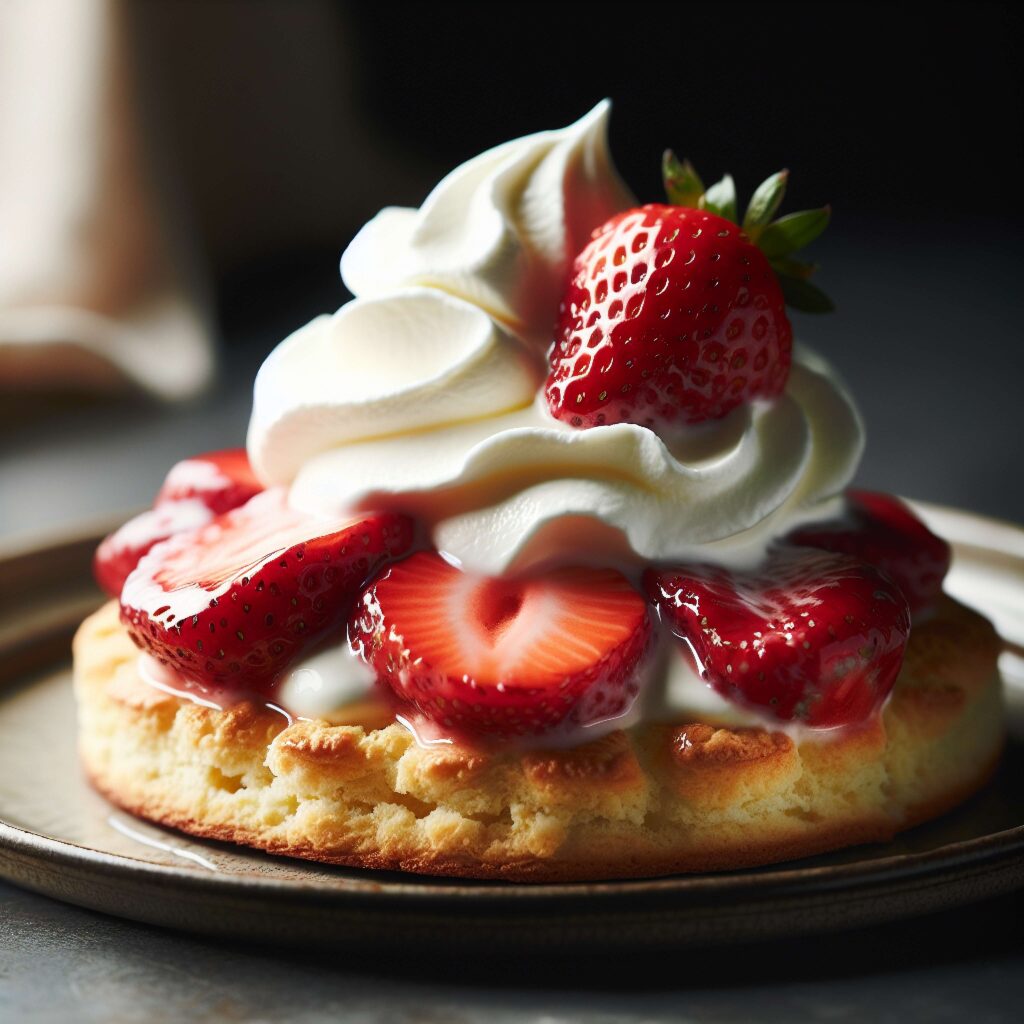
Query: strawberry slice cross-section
column 234, row 602
column 810, row 637
column 504, row 657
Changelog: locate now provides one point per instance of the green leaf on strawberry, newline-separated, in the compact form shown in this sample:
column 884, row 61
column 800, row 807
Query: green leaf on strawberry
column 777, row 239
column 793, row 232
column 721, row 198
column 786, row 266
column 764, row 203
column 800, row 294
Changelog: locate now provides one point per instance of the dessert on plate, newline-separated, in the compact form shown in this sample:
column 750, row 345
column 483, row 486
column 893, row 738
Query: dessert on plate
column 541, row 562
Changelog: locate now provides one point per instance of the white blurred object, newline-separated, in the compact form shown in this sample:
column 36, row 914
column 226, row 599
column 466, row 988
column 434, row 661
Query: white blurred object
column 97, row 287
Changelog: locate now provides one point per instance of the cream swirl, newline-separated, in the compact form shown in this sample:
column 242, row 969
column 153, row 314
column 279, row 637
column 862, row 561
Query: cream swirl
column 501, row 230
column 383, row 367
column 421, row 396
column 521, row 488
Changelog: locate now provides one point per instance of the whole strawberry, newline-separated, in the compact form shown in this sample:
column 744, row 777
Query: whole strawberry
column 674, row 314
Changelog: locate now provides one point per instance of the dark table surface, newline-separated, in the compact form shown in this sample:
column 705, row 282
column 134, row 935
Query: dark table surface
column 932, row 352
column 61, row 964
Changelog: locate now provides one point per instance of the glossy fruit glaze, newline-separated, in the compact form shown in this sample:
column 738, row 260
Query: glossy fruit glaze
column 236, row 601
column 809, row 636
column 221, row 480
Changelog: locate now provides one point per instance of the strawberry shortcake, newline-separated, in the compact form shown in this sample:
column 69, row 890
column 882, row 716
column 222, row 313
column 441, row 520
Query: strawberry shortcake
column 541, row 562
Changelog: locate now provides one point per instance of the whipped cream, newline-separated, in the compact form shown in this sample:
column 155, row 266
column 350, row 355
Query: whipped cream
column 383, row 367
column 422, row 395
column 521, row 488
column 500, row 231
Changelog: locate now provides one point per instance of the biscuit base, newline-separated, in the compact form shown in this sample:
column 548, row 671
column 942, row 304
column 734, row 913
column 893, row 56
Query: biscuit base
column 660, row 798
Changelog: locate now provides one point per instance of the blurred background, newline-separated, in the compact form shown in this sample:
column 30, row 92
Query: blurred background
column 177, row 182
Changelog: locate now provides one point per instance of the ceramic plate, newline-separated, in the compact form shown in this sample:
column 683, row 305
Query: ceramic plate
column 61, row 839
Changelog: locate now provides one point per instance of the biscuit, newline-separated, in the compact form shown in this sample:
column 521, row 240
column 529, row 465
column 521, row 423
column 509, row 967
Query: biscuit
column 659, row 798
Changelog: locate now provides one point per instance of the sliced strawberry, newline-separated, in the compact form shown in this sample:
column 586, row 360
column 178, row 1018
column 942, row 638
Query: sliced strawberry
column 193, row 492
column 504, row 656
column 811, row 637
column 881, row 530
column 235, row 601
column 119, row 553
column 221, row 480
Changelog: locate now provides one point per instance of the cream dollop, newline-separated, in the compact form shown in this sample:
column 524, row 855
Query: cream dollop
column 501, row 230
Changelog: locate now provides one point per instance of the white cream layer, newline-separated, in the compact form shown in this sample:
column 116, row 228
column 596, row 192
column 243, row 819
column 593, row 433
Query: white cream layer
column 511, row 491
column 325, row 681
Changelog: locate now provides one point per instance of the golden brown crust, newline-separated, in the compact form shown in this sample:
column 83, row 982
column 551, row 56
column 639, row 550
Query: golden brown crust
column 655, row 799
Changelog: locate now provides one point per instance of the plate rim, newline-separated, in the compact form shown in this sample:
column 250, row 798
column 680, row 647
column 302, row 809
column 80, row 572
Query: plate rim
column 992, row 846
